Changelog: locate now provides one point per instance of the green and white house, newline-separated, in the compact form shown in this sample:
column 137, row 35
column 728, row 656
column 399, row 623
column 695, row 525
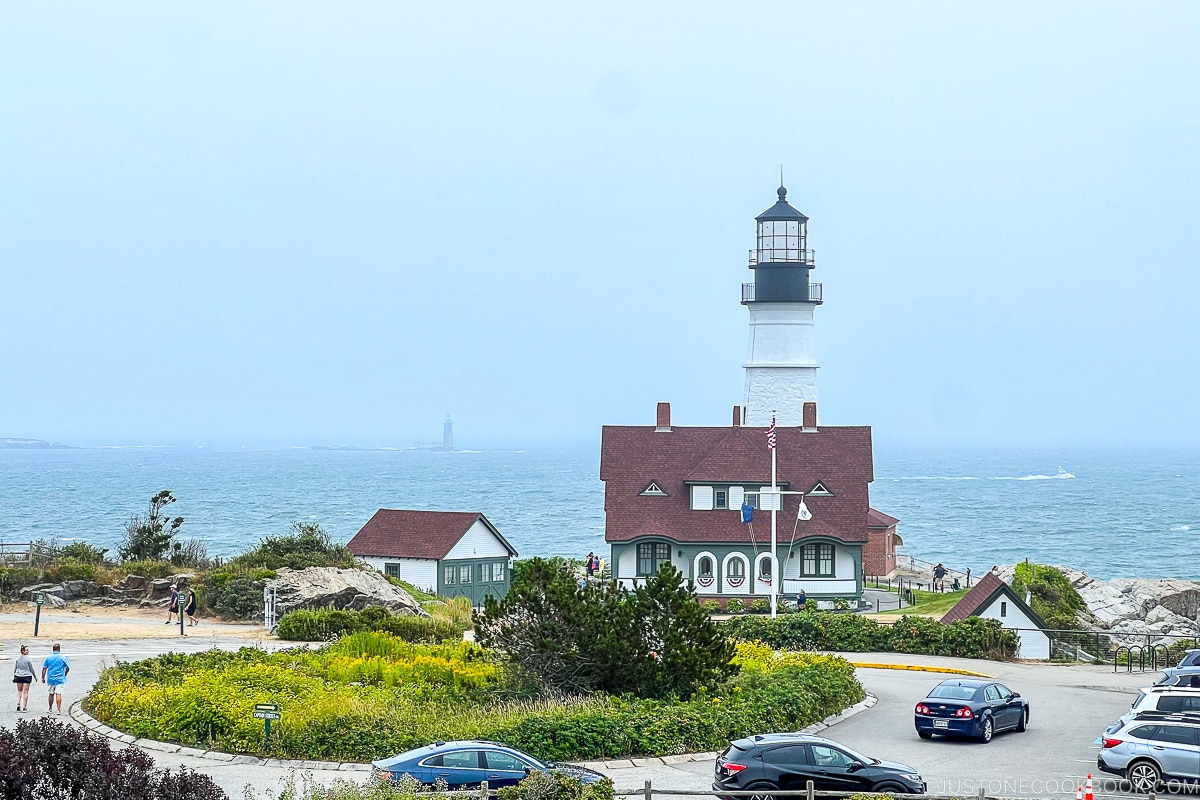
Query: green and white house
column 674, row 494
column 449, row 553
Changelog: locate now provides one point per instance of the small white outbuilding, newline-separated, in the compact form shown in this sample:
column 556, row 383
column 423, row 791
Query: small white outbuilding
column 992, row 598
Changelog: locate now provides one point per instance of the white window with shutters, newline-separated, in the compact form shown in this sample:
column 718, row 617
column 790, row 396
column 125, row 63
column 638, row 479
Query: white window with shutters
column 702, row 498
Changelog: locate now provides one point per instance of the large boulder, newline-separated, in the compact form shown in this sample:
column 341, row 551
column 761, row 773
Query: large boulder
column 331, row 587
column 160, row 588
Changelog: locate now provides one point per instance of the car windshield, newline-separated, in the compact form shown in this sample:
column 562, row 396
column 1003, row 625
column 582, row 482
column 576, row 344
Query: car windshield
column 953, row 691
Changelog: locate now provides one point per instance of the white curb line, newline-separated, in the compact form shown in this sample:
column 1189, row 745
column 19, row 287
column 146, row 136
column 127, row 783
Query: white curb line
column 82, row 717
column 96, row 726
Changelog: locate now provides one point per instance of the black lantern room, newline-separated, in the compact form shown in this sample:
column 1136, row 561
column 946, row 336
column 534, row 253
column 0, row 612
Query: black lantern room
column 782, row 259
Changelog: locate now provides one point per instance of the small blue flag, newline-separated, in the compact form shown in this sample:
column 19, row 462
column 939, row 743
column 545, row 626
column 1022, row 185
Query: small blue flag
column 747, row 513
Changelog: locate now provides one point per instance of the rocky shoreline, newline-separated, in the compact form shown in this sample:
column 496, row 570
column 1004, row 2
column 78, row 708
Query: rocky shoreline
column 1133, row 606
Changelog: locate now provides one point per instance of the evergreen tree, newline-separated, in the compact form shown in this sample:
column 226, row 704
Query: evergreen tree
column 559, row 635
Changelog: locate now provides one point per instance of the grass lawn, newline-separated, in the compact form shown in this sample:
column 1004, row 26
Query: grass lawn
column 931, row 604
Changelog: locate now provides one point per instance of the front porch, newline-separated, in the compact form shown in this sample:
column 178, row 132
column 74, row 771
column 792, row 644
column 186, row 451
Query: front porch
column 825, row 569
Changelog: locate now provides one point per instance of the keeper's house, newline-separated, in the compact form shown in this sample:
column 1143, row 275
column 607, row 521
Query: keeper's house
column 674, row 494
column 449, row 553
column 992, row 598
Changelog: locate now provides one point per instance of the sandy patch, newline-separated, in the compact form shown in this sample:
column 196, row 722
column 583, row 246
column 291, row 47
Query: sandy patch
column 93, row 623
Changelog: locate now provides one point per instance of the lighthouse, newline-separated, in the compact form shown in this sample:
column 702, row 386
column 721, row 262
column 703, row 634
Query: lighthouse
column 781, row 370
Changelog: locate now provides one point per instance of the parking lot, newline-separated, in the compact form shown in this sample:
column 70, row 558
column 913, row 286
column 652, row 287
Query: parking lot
column 1070, row 706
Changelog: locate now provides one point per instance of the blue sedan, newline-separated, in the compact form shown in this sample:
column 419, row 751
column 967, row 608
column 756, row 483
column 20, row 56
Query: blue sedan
column 464, row 765
column 971, row 707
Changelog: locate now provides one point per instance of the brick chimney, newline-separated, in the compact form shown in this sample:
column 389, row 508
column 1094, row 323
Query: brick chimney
column 810, row 417
column 664, row 418
column 737, row 416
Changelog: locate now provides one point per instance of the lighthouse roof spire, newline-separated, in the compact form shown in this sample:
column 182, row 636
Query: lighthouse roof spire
column 782, row 210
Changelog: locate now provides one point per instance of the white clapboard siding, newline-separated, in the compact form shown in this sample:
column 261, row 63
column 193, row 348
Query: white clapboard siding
column 420, row 572
column 478, row 542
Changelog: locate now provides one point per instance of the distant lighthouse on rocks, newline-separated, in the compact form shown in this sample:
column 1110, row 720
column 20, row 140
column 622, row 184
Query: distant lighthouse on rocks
column 781, row 370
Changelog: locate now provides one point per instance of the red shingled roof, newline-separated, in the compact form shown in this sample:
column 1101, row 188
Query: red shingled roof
column 399, row 533
column 633, row 456
column 981, row 596
column 878, row 519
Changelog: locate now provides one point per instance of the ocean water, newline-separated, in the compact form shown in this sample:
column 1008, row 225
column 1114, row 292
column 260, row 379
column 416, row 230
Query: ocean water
column 1111, row 513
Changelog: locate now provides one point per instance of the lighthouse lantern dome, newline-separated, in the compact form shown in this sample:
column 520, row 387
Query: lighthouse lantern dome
column 782, row 235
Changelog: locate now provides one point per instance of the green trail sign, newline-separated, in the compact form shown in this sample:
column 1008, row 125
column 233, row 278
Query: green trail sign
column 267, row 712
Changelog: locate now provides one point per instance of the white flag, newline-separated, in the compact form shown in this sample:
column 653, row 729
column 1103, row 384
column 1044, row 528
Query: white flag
column 802, row 512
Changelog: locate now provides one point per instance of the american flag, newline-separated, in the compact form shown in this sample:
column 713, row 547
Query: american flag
column 771, row 435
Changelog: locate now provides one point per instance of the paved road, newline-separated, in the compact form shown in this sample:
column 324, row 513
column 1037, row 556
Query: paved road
column 88, row 658
column 1071, row 705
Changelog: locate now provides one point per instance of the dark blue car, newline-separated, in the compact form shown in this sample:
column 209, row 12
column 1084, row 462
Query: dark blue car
column 468, row 764
column 971, row 707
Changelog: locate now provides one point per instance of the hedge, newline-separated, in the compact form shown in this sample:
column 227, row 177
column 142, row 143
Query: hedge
column 973, row 637
column 327, row 624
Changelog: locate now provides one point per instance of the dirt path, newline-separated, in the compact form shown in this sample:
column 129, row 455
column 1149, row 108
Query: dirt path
column 93, row 623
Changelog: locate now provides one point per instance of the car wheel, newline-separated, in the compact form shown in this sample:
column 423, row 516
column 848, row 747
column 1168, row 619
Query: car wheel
column 761, row 787
column 890, row 788
column 1144, row 776
column 989, row 728
column 925, row 734
column 1023, row 722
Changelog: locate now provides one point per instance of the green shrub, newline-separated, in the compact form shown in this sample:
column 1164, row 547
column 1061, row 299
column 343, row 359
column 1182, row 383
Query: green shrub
column 853, row 633
column 82, row 551
column 13, row 579
column 326, row 624
column 306, row 545
column 235, row 596
column 1052, row 595
column 760, row 606
column 711, row 606
column 71, row 569
column 317, row 626
column 148, row 568
column 735, row 605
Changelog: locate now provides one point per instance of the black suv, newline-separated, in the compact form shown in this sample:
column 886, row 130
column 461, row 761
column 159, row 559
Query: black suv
column 790, row 760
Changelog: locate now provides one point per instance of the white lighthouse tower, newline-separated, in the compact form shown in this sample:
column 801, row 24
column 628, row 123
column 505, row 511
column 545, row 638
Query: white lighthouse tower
column 781, row 371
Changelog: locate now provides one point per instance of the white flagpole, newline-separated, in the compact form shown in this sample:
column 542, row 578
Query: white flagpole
column 775, row 571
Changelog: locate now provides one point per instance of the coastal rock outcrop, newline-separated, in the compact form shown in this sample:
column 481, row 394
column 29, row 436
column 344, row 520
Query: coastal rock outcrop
column 331, row 587
column 1168, row 607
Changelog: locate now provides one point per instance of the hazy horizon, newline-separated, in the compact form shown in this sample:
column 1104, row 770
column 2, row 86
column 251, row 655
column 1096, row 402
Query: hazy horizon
column 291, row 224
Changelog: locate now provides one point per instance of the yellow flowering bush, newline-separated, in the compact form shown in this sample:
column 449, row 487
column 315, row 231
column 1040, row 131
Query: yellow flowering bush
column 372, row 695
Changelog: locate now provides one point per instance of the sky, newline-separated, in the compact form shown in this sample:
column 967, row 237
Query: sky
column 312, row 223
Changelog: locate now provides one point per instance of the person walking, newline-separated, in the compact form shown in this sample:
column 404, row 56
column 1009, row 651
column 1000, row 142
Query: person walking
column 802, row 600
column 173, row 606
column 23, row 676
column 939, row 577
column 54, row 674
column 190, row 607
column 588, row 564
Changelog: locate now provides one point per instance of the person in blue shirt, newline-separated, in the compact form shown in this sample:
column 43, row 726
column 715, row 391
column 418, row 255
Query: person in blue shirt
column 54, row 674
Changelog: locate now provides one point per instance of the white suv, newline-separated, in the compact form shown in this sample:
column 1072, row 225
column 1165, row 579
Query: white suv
column 1163, row 699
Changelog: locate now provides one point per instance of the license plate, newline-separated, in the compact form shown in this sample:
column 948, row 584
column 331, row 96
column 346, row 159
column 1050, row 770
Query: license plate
column 941, row 723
